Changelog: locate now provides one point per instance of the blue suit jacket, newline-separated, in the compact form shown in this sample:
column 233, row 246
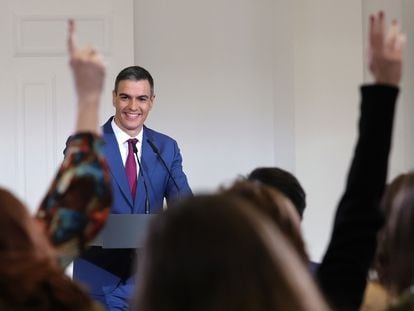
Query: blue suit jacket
column 159, row 183
column 102, row 269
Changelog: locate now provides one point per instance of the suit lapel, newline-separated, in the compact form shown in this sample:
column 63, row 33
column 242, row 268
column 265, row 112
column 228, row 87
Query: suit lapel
column 111, row 150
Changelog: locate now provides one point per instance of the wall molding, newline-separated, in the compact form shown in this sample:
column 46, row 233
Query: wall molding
column 45, row 35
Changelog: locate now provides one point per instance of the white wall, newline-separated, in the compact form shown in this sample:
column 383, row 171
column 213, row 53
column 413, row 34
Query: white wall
column 249, row 83
column 243, row 83
column 246, row 83
column 214, row 67
column 328, row 70
column 406, row 112
column 37, row 97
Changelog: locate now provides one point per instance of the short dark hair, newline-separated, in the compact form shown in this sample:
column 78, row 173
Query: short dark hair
column 135, row 73
column 283, row 181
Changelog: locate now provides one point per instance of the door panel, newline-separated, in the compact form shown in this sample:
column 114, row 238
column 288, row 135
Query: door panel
column 37, row 99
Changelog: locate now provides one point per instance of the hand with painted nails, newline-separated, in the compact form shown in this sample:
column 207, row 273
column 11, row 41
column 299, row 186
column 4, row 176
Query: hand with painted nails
column 385, row 52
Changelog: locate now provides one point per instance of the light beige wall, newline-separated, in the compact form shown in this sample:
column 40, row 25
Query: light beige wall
column 328, row 70
column 216, row 67
column 407, row 100
column 330, row 61
column 240, row 83
column 244, row 83
column 37, row 100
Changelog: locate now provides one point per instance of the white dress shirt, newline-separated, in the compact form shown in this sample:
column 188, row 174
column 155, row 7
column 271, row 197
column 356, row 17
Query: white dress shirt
column 122, row 140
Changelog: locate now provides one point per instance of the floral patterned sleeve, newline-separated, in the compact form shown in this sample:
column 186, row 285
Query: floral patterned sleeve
column 78, row 202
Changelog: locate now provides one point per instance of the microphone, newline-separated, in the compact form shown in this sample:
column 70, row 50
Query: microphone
column 155, row 149
column 147, row 204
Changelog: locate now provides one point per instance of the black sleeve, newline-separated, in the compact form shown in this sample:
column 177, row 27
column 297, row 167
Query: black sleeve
column 343, row 271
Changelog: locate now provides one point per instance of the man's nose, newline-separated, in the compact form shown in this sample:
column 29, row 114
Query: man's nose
column 134, row 104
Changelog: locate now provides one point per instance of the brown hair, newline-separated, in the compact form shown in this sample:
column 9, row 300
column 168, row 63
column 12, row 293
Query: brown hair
column 395, row 255
column 275, row 205
column 216, row 253
column 30, row 278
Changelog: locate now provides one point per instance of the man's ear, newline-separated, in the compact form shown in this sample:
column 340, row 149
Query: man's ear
column 152, row 101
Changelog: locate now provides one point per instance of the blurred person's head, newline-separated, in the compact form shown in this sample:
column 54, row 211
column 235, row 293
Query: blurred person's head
column 395, row 255
column 30, row 277
column 19, row 232
column 283, row 181
column 275, row 205
column 217, row 253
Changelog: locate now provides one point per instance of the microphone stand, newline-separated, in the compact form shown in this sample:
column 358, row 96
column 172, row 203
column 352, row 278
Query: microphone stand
column 156, row 151
column 147, row 203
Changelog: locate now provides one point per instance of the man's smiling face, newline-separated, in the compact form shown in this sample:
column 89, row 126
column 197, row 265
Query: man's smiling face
column 132, row 101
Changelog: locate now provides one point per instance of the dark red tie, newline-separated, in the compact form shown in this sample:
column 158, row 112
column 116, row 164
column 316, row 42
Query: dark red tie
column 131, row 167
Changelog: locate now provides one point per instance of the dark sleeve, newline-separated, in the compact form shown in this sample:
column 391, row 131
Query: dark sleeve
column 343, row 271
column 78, row 201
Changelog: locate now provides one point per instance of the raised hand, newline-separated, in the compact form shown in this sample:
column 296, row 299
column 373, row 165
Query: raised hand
column 89, row 74
column 385, row 52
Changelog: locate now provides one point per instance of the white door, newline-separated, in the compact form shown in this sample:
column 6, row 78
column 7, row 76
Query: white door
column 37, row 100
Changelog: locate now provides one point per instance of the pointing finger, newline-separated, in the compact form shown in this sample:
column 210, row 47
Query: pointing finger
column 71, row 37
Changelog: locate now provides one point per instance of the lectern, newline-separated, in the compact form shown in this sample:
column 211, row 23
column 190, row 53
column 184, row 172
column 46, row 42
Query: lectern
column 124, row 231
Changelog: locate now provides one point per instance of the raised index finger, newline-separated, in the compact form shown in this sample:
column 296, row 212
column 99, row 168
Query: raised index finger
column 71, row 37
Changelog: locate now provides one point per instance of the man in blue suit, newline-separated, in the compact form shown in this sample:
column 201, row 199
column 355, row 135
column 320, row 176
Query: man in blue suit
column 108, row 273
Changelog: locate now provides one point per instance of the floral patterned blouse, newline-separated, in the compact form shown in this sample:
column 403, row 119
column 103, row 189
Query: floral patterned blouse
column 78, row 202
